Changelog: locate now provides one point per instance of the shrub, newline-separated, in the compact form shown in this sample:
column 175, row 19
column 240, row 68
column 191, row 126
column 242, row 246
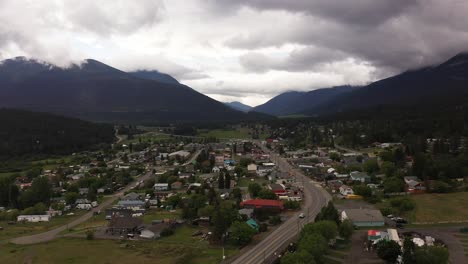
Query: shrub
column 167, row 232
column 89, row 235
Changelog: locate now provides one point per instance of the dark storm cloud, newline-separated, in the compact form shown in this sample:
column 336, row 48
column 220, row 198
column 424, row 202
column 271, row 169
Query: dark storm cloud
column 392, row 35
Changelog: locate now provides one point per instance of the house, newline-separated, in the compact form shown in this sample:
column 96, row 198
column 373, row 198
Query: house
column 219, row 160
column 345, row 190
column 252, row 168
column 263, row 170
column 124, row 225
column 33, row 218
column 413, row 184
column 359, row 176
column 133, row 205
column 118, row 212
column 216, row 169
column 278, row 189
column 185, row 175
column 76, row 177
column 176, row 185
column 131, row 197
column 248, row 212
column 161, row 186
column 263, row 204
column 84, row 206
column 363, row 217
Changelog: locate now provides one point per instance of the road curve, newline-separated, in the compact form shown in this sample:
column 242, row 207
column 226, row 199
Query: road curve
column 315, row 198
column 51, row 234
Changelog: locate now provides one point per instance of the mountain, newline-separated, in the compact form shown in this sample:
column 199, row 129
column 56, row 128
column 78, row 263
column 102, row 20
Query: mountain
column 297, row 102
column 155, row 76
column 98, row 92
column 239, row 106
column 439, row 85
column 25, row 133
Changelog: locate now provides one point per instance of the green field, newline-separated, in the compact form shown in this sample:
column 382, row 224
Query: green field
column 179, row 248
column 441, row 207
column 244, row 182
column 242, row 133
column 24, row 229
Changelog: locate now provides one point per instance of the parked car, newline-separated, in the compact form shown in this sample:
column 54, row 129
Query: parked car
column 301, row 215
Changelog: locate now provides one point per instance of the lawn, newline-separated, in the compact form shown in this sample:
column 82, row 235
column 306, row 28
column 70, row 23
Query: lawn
column 179, row 248
column 242, row 133
column 24, row 229
column 160, row 214
column 244, row 182
column 441, row 207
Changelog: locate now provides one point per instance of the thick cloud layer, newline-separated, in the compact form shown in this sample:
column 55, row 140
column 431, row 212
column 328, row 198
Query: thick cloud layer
column 247, row 50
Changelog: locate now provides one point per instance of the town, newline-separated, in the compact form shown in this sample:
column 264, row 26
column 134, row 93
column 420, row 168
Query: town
column 231, row 194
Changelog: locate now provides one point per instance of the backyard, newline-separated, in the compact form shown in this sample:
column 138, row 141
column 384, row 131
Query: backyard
column 440, row 207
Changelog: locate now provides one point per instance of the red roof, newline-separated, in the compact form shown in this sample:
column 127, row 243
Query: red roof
column 259, row 203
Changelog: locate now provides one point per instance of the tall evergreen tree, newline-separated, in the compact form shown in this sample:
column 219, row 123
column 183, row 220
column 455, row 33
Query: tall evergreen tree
column 221, row 180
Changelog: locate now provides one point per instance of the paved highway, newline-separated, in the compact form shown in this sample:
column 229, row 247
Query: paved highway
column 314, row 199
column 51, row 234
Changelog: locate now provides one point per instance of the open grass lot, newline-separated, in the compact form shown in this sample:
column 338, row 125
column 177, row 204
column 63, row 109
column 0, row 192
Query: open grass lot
column 242, row 133
column 23, row 229
column 440, row 207
column 151, row 137
column 244, row 182
column 160, row 214
column 179, row 248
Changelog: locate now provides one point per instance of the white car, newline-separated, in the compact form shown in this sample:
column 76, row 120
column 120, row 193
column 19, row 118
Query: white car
column 301, row 215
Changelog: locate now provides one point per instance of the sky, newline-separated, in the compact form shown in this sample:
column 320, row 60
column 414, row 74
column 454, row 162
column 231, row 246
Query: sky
column 247, row 51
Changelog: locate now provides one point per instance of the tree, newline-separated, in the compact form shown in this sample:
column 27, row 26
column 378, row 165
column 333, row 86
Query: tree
column 431, row 255
column 298, row 257
column 371, row 166
column 388, row 168
column 388, row 250
column 315, row 244
column 223, row 216
column 408, row 251
column 393, row 185
column 326, row 228
column 346, row 229
column 227, row 181
column 221, row 181
column 237, row 195
column 267, row 194
column 70, row 197
column 254, row 189
column 363, row 190
column 92, row 194
column 241, row 233
column 328, row 212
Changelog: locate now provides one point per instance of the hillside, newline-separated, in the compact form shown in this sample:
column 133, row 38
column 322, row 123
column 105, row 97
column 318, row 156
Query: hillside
column 95, row 91
column 442, row 85
column 297, row 102
column 31, row 133
column 239, row 106
column 155, row 76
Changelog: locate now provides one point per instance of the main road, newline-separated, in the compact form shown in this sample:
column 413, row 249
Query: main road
column 51, row 234
column 315, row 197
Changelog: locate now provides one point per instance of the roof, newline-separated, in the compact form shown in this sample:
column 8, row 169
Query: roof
column 258, row 203
column 125, row 222
column 364, row 215
column 277, row 187
column 131, row 202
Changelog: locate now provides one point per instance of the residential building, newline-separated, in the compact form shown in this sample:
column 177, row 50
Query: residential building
column 363, row 217
column 161, row 186
column 33, row 218
column 345, row 190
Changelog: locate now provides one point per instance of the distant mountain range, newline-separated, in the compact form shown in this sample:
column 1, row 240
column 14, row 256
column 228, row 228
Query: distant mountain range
column 290, row 103
column 440, row 85
column 239, row 106
column 98, row 92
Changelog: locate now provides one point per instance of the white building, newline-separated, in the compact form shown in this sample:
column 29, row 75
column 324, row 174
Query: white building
column 33, row 218
column 346, row 190
column 161, row 186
